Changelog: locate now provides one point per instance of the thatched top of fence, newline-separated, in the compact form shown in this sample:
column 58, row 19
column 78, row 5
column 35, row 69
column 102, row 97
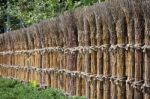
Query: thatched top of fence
column 108, row 13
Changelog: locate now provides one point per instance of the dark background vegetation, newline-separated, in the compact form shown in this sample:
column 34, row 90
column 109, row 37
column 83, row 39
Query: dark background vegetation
column 16, row 14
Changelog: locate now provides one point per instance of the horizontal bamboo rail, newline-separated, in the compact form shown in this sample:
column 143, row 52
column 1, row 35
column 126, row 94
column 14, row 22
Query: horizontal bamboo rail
column 101, row 51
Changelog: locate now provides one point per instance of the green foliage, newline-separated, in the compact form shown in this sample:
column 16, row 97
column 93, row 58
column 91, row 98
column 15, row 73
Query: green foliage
column 21, row 13
column 12, row 89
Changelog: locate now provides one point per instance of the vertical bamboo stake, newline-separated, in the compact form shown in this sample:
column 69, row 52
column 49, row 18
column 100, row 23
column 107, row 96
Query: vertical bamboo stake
column 4, row 56
column 65, row 55
column 61, row 64
column 23, row 44
column 139, row 35
column 130, row 60
column 120, row 28
column 46, row 37
column 55, row 37
column 37, row 54
column 146, row 10
column 28, row 59
column 72, row 42
column 52, row 26
column 99, row 38
column 92, row 24
column 1, row 55
column 15, row 56
column 18, row 57
column 83, row 61
column 113, row 54
column 130, row 65
column 50, row 57
column 34, row 54
column 51, row 63
column 106, row 64
column 80, row 64
column 43, row 54
column 87, row 55
column 31, row 54
column 147, row 57
column 25, row 57
column 106, row 54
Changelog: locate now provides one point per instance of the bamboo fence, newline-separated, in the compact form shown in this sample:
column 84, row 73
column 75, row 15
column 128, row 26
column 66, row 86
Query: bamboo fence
column 101, row 51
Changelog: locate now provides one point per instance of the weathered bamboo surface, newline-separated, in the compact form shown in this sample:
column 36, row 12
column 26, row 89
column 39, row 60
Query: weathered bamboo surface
column 101, row 51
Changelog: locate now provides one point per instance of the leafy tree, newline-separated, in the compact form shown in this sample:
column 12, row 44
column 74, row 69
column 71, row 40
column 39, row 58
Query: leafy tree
column 16, row 14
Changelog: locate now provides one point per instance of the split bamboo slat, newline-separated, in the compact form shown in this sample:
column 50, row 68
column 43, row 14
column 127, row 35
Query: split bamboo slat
column 100, row 51
column 87, row 55
column 93, row 54
column 113, row 54
column 80, row 81
column 99, row 38
column 146, row 84
column 130, row 65
column 50, row 57
column 139, row 38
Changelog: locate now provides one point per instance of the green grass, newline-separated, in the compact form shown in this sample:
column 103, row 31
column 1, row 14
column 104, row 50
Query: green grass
column 12, row 89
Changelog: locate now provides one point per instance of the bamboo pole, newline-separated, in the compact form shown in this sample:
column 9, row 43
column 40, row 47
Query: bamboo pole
column 106, row 62
column 25, row 56
column 72, row 42
column 120, row 23
column 37, row 54
column 99, row 38
column 92, row 25
column 63, row 79
column 87, row 55
column 113, row 55
column 1, row 43
column 43, row 54
column 146, row 84
column 22, row 40
column 53, row 57
column 46, row 54
column 106, row 54
column 139, row 36
column 80, row 58
column 50, row 58
column 83, row 61
column 65, row 62
column 120, row 28
column 61, row 64
column 147, row 59
column 130, row 65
